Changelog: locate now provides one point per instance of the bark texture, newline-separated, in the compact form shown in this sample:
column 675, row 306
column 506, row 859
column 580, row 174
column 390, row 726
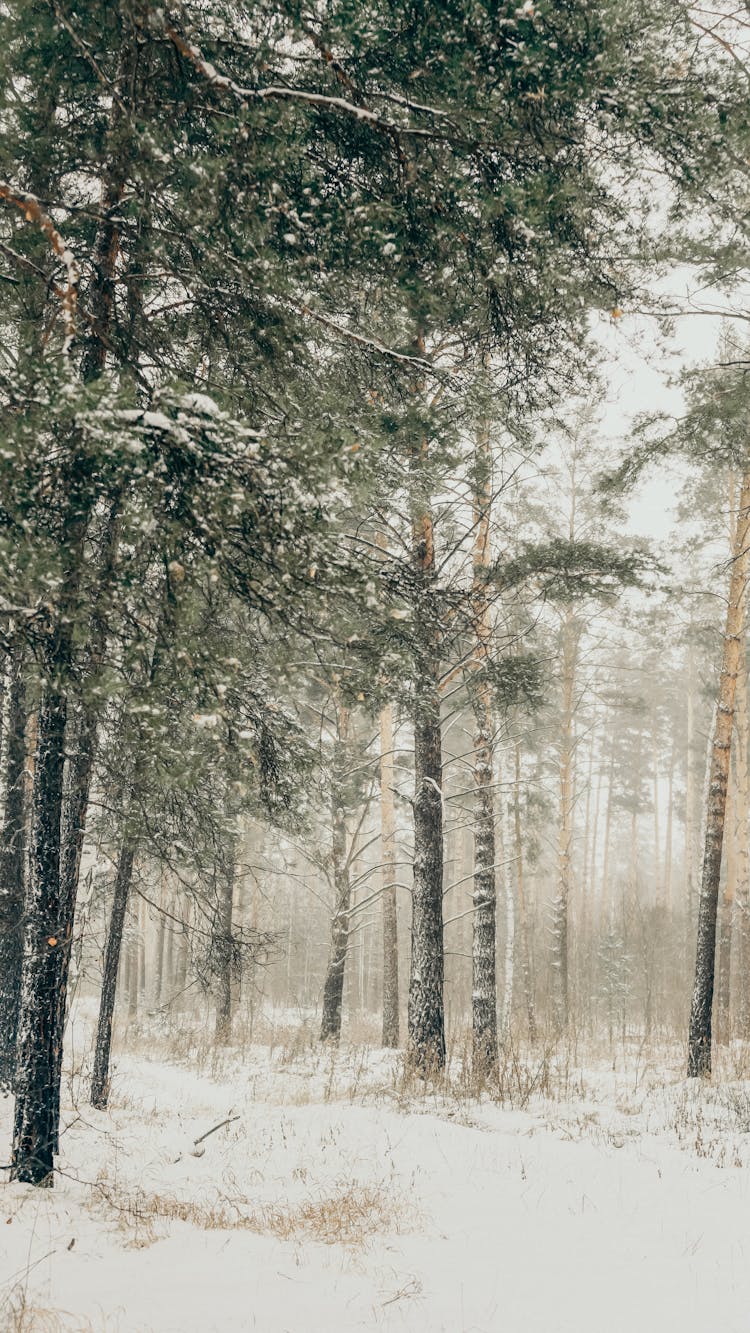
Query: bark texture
column 123, row 878
column 700, row 1028
column 483, row 950
column 333, row 988
column 426, row 1008
column 12, row 866
column 37, row 1085
column 426, row 1014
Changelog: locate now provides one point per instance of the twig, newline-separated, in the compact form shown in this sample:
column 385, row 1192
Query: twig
column 196, row 1151
column 229, row 1120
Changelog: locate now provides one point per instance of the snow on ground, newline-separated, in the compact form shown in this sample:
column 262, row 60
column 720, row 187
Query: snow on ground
column 341, row 1199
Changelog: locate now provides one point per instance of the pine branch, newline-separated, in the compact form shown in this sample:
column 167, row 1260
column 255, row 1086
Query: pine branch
column 278, row 93
column 29, row 205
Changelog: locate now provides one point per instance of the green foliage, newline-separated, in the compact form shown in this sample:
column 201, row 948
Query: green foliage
column 566, row 571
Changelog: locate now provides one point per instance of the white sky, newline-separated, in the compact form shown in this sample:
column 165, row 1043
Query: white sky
column 640, row 378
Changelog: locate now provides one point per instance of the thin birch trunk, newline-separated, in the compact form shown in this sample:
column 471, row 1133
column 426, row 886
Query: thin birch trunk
column 132, row 955
column 523, row 919
column 669, row 836
column 182, row 958
column 561, row 908
column 223, row 946
column 333, row 988
column 388, row 876
column 484, row 962
column 607, row 895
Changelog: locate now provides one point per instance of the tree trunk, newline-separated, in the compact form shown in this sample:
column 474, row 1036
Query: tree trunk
column 657, row 822
column 426, row 1004
column 484, row 984
column 12, row 867
column 37, row 1082
column 523, row 920
column 726, row 914
column 80, row 772
column 333, row 988
column 132, row 961
column 388, row 875
column 426, row 1008
column 669, row 837
column 607, row 897
column 100, row 1079
column 68, row 840
column 182, row 952
column 483, row 951
column 589, row 842
column 690, row 831
column 699, row 1034
column 224, row 941
column 565, row 838
column 158, row 981
column 742, row 723
column 510, row 915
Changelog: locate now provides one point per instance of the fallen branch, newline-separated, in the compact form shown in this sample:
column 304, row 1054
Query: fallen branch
column 196, row 1150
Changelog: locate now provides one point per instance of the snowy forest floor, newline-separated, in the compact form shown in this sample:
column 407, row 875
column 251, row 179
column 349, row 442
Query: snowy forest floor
column 603, row 1193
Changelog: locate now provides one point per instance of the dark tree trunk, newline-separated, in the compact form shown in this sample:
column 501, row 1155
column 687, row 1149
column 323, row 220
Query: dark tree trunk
column 223, row 944
column 333, row 988
column 37, row 1084
column 426, row 1008
column 123, row 878
column 80, row 773
column 426, row 1012
column 12, row 867
column 93, row 362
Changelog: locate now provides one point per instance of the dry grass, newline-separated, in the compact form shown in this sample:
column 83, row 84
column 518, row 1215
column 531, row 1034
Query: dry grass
column 350, row 1216
column 17, row 1315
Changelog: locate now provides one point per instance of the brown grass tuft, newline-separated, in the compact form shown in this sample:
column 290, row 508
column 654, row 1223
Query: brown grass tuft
column 350, row 1216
